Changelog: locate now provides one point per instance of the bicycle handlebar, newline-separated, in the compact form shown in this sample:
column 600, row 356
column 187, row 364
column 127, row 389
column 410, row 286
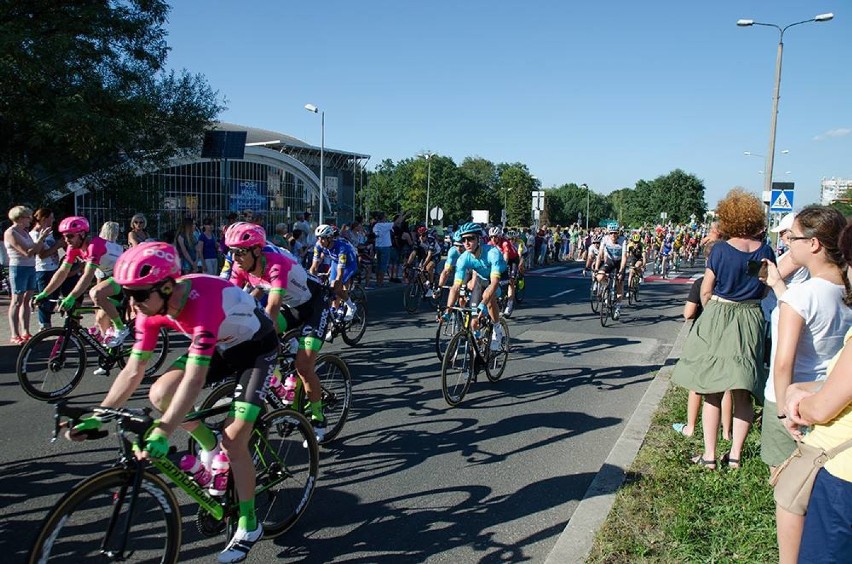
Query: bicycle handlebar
column 136, row 421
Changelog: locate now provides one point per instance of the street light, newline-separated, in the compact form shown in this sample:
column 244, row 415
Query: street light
column 770, row 156
column 314, row 109
column 428, row 157
column 586, row 186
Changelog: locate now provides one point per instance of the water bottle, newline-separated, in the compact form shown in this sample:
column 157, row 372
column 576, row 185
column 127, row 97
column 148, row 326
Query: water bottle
column 275, row 385
column 96, row 333
column 194, row 467
column 289, row 388
column 221, row 467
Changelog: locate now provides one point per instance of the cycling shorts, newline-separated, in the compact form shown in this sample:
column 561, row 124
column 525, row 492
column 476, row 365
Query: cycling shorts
column 481, row 284
column 349, row 271
column 311, row 316
column 512, row 267
column 253, row 363
column 609, row 267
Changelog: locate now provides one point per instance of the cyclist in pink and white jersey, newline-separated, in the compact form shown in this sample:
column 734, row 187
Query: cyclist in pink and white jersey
column 98, row 255
column 295, row 300
column 229, row 333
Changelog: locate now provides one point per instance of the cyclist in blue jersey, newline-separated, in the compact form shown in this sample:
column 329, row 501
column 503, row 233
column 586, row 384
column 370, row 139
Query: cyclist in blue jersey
column 344, row 264
column 487, row 264
column 666, row 251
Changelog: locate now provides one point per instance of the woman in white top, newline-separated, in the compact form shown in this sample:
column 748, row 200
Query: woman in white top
column 46, row 262
column 813, row 321
column 22, row 251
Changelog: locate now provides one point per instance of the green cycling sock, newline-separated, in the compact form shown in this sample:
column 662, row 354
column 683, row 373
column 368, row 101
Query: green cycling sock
column 118, row 323
column 248, row 519
column 204, row 437
column 316, row 411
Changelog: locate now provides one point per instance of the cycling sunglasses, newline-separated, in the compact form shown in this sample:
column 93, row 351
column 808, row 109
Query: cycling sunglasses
column 140, row 295
column 238, row 251
column 471, row 239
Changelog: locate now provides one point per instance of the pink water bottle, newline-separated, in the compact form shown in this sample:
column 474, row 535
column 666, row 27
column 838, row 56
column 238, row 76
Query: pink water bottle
column 221, row 467
column 194, row 467
column 276, row 386
column 289, row 388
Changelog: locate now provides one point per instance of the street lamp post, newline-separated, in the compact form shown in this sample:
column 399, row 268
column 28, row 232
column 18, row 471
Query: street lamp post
column 770, row 156
column 586, row 186
column 428, row 157
column 314, row 109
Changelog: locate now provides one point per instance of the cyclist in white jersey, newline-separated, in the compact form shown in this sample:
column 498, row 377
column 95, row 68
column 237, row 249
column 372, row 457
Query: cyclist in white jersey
column 612, row 258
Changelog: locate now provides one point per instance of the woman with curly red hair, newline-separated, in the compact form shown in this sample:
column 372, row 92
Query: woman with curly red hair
column 724, row 350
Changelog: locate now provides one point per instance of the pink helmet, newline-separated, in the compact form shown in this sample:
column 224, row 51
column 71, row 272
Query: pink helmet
column 74, row 224
column 146, row 263
column 244, row 234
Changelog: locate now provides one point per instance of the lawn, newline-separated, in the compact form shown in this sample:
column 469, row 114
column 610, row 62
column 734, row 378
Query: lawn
column 669, row 510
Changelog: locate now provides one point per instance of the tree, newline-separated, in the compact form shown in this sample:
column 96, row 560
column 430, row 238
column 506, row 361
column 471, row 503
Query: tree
column 844, row 204
column 84, row 94
column 517, row 185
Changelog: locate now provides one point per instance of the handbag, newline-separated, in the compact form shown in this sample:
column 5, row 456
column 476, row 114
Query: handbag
column 794, row 478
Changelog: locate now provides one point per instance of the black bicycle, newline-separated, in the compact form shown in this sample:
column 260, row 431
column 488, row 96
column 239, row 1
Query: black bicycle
column 607, row 300
column 352, row 330
column 130, row 513
column 52, row 363
column 416, row 288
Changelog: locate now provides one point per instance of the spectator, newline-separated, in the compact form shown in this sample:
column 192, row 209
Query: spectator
column 384, row 247
column 827, row 408
column 230, row 219
column 366, row 255
column 209, row 254
column 137, row 233
column 46, row 262
column 692, row 310
column 279, row 238
column 814, row 317
column 22, row 251
column 186, row 245
column 724, row 350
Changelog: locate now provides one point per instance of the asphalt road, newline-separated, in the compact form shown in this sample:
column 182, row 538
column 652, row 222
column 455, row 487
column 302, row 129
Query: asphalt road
column 411, row 479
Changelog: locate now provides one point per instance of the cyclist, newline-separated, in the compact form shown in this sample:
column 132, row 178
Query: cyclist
column 592, row 253
column 295, row 299
column 98, row 254
column 344, row 264
column 229, row 334
column 613, row 255
column 228, row 264
column 512, row 260
column 635, row 259
column 666, row 250
column 487, row 263
column 426, row 251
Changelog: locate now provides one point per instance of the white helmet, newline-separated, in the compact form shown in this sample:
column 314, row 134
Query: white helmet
column 495, row 232
column 324, row 230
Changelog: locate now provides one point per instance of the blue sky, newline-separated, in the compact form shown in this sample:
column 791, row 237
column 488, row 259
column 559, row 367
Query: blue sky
column 605, row 92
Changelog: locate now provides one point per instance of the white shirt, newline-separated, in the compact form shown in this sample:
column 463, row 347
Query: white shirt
column 383, row 233
column 826, row 317
column 50, row 263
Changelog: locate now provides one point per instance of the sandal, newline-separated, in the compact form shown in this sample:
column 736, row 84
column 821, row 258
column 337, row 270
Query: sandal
column 698, row 459
column 679, row 427
column 26, row 337
column 733, row 463
column 16, row 341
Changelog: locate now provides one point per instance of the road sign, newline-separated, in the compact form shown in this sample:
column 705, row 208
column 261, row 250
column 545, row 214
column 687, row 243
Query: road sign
column 538, row 200
column 436, row 213
column 664, row 215
column 781, row 201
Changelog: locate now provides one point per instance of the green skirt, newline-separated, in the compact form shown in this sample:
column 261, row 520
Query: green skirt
column 724, row 350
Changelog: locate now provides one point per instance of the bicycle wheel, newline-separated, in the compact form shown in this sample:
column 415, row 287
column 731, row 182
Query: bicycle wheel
column 158, row 356
column 336, row 393
column 446, row 329
column 457, row 368
column 352, row 331
column 90, row 522
column 497, row 359
column 634, row 288
column 51, row 364
column 357, row 293
column 594, row 296
column 630, row 295
column 412, row 296
column 287, row 462
column 603, row 305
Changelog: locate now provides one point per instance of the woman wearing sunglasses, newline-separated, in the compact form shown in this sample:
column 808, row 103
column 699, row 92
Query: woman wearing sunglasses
column 229, row 333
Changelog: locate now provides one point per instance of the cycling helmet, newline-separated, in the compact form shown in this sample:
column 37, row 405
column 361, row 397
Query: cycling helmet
column 636, row 237
column 244, row 235
column 495, row 232
column 324, row 230
column 146, row 263
column 422, row 230
column 469, row 228
column 612, row 227
column 596, row 239
column 457, row 240
column 74, row 224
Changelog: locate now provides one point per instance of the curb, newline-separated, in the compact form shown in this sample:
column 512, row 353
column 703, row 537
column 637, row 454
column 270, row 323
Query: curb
column 575, row 542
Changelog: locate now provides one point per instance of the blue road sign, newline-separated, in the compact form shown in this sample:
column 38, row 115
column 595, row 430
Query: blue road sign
column 781, row 201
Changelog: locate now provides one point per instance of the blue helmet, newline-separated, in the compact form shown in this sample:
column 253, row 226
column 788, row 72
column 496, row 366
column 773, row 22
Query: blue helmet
column 457, row 239
column 469, row 228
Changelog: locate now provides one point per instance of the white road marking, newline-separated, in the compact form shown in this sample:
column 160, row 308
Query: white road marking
column 562, row 293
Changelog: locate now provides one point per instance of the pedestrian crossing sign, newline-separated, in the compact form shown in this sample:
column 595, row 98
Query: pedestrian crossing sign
column 781, row 201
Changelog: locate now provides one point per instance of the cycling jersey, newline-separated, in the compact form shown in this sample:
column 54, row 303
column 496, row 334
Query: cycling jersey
column 488, row 264
column 341, row 252
column 100, row 253
column 509, row 249
column 281, row 273
column 613, row 251
column 229, row 259
column 215, row 315
column 636, row 251
column 424, row 247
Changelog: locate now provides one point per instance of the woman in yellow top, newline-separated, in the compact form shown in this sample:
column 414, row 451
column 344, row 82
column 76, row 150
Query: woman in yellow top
column 827, row 408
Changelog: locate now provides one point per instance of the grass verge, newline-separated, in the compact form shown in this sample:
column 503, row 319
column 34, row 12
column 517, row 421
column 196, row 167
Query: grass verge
column 670, row 510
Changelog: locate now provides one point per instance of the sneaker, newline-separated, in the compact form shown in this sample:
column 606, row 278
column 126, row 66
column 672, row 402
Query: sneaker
column 510, row 307
column 497, row 338
column 116, row 338
column 349, row 314
column 101, row 372
column 319, row 429
column 239, row 546
column 617, row 313
column 329, row 335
